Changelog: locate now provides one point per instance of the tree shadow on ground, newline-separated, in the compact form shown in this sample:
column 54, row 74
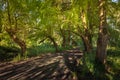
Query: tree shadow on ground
column 36, row 69
column 72, row 59
column 62, row 66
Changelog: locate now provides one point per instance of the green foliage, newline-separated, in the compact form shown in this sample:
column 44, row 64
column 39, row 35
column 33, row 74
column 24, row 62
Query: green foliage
column 108, row 71
column 17, row 58
column 37, row 50
column 44, row 48
column 99, row 70
column 64, row 48
column 89, row 61
column 113, row 60
column 8, row 53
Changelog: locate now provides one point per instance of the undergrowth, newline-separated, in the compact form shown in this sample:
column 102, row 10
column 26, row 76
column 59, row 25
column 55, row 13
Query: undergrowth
column 99, row 71
column 13, row 53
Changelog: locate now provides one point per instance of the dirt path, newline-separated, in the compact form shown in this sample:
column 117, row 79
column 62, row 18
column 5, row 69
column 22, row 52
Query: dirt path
column 47, row 67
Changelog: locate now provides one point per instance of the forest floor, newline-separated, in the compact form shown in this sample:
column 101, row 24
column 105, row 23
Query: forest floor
column 58, row 66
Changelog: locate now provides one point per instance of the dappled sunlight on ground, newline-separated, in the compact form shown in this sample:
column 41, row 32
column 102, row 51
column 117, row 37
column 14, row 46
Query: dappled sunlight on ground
column 46, row 67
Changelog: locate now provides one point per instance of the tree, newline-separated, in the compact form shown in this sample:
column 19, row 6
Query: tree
column 103, row 33
column 12, row 22
column 83, row 17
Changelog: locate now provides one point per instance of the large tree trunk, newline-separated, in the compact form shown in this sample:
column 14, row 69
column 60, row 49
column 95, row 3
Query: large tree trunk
column 102, row 35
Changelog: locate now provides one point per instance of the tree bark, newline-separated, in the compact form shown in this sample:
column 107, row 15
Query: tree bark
column 86, row 39
column 86, row 36
column 18, row 41
column 102, row 35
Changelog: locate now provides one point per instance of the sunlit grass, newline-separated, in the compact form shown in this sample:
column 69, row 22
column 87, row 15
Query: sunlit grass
column 20, row 58
column 17, row 58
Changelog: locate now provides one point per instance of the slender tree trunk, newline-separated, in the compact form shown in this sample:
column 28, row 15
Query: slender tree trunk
column 86, row 41
column 73, row 42
column 54, row 43
column 69, row 38
column 102, row 35
column 87, row 44
column 86, row 35
column 63, row 37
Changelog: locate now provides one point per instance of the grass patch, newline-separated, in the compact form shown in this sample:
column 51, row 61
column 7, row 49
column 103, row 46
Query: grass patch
column 37, row 50
column 44, row 48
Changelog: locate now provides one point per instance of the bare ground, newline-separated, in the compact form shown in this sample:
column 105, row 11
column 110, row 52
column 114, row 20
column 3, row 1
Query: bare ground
column 59, row 66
